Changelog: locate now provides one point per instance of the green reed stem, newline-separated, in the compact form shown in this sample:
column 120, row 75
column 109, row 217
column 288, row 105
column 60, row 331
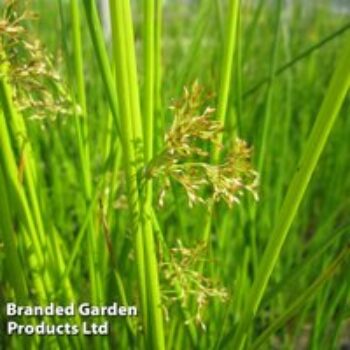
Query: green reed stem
column 7, row 235
column 228, row 59
column 266, row 127
column 102, row 58
column 93, row 256
column 19, row 199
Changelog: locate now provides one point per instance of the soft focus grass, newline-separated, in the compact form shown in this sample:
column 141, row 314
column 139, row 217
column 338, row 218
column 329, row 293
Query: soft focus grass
column 79, row 224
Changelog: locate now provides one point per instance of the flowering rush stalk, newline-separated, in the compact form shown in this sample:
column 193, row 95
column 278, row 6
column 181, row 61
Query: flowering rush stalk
column 126, row 92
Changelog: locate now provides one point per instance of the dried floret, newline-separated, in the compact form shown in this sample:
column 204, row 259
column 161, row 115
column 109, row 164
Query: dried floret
column 37, row 87
column 186, row 156
column 186, row 284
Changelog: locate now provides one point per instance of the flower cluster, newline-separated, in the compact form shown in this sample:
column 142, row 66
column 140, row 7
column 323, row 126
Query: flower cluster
column 186, row 156
column 186, row 282
column 37, row 87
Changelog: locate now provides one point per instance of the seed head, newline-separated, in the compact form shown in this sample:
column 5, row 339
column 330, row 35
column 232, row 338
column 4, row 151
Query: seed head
column 185, row 158
column 185, row 284
column 37, row 87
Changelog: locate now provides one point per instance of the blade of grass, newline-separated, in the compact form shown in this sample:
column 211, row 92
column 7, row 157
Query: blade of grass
column 302, row 299
column 331, row 105
column 307, row 52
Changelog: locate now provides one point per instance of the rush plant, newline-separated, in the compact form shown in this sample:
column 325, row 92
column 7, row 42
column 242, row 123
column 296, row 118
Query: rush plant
column 189, row 158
